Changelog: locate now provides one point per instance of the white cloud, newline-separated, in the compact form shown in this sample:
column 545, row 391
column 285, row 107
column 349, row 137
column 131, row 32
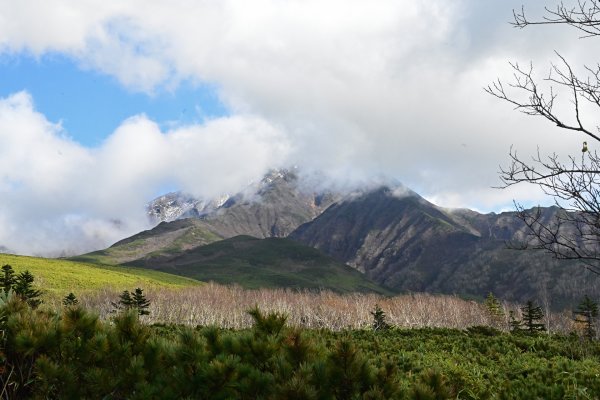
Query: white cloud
column 56, row 195
column 355, row 88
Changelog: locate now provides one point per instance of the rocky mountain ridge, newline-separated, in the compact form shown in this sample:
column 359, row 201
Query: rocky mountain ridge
column 408, row 244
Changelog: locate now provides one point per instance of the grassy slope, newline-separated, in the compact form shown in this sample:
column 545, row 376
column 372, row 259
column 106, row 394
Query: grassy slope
column 165, row 238
column 63, row 276
column 272, row 262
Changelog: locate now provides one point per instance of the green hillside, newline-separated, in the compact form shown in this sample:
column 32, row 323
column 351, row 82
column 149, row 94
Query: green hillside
column 255, row 263
column 166, row 237
column 60, row 276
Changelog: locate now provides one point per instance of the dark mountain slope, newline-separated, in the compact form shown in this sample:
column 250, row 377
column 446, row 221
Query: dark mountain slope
column 254, row 263
column 377, row 230
column 407, row 243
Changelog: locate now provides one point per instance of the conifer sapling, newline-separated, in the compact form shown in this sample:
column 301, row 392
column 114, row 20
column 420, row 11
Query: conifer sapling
column 532, row 314
column 70, row 300
column 379, row 323
column 586, row 315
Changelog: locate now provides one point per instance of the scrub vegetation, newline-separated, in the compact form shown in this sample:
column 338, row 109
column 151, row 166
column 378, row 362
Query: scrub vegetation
column 225, row 342
column 72, row 353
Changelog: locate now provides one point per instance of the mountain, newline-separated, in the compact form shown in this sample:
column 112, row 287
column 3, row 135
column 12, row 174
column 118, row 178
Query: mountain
column 165, row 238
column 173, row 206
column 254, row 263
column 408, row 244
column 273, row 207
column 391, row 235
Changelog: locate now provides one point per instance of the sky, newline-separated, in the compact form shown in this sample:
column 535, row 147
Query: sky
column 105, row 105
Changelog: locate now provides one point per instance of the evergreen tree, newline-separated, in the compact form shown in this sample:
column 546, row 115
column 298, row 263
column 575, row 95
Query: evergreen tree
column 379, row 323
column 23, row 287
column 133, row 301
column 125, row 302
column 70, row 300
column 586, row 314
column 7, row 278
column 140, row 302
column 494, row 310
column 531, row 315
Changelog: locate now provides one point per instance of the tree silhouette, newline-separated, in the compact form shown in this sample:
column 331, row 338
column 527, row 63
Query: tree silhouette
column 21, row 285
column 7, row 278
column 531, row 315
column 133, row 301
column 586, row 315
column 573, row 233
column 70, row 300
column 379, row 322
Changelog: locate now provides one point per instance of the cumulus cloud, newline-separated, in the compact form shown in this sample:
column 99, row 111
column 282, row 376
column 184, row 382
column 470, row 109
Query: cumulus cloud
column 56, row 195
column 353, row 88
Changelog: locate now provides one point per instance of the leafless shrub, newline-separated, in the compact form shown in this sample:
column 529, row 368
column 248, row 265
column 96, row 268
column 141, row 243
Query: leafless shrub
column 226, row 306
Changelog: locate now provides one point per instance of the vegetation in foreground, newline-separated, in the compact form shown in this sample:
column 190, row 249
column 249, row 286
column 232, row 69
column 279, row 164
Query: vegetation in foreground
column 73, row 354
column 69, row 352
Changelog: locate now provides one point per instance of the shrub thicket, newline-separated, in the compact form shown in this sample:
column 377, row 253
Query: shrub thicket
column 73, row 354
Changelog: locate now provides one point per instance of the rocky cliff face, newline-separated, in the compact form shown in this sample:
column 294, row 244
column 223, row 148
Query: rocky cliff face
column 409, row 244
column 273, row 207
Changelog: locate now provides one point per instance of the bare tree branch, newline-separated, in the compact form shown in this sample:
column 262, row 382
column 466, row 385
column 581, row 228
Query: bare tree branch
column 571, row 229
column 584, row 16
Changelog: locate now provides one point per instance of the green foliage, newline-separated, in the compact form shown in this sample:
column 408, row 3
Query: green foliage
column 70, row 300
column 494, row 310
column 483, row 330
column 7, row 279
column 21, row 285
column 531, row 315
column 432, row 385
column 379, row 322
column 132, row 301
column 140, row 303
column 74, row 355
column 586, row 315
column 271, row 324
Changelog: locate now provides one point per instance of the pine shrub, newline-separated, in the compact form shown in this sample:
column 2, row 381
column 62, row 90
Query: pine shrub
column 586, row 315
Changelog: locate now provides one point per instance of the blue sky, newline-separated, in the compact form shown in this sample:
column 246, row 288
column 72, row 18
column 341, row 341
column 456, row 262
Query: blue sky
column 90, row 105
column 104, row 105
